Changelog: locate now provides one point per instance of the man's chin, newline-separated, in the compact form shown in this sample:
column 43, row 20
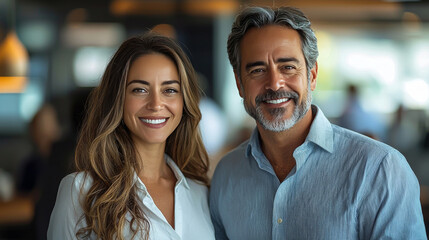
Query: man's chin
column 276, row 114
column 276, row 126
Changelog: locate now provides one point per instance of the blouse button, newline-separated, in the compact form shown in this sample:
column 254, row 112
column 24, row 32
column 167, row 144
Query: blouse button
column 279, row 220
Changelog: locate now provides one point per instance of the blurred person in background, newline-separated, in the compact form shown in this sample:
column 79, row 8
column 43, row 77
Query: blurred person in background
column 6, row 186
column 142, row 166
column 299, row 176
column 356, row 118
column 45, row 130
column 60, row 162
column 213, row 124
column 17, row 211
column 404, row 134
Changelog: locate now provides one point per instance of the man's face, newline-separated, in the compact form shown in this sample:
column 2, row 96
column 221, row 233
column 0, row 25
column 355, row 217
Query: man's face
column 275, row 87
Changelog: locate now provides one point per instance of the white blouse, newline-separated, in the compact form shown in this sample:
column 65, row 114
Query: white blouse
column 191, row 211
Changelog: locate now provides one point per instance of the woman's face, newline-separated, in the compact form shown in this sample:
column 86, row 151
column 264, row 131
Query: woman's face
column 153, row 100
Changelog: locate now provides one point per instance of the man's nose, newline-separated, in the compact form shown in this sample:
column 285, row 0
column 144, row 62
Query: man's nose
column 275, row 80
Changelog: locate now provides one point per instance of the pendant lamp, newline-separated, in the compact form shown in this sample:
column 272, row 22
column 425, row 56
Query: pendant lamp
column 13, row 61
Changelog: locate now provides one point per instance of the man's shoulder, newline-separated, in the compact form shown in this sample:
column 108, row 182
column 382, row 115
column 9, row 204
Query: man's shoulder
column 348, row 140
column 236, row 155
column 231, row 161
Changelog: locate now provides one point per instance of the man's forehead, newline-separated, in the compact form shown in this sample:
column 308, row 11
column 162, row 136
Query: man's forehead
column 274, row 41
column 262, row 31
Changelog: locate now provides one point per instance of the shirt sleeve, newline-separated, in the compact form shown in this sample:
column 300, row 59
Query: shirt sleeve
column 391, row 206
column 214, row 194
column 67, row 211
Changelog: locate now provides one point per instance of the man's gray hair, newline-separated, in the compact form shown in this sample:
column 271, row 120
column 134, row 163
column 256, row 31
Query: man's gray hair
column 258, row 17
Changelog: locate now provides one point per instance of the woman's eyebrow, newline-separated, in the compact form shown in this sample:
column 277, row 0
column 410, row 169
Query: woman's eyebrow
column 168, row 82
column 138, row 81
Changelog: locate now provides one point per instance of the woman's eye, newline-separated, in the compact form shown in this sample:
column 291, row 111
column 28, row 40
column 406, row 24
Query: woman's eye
column 139, row 90
column 171, row 90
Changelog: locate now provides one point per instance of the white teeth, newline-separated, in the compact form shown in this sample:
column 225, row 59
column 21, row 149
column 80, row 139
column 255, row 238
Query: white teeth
column 154, row 121
column 277, row 101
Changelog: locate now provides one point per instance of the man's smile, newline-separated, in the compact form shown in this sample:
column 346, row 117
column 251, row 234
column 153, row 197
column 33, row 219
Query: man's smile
column 277, row 101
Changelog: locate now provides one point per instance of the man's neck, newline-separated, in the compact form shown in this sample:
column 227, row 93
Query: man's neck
column 278, row 147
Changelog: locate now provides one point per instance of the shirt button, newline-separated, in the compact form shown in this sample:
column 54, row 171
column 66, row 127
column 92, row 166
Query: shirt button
column 279, row 220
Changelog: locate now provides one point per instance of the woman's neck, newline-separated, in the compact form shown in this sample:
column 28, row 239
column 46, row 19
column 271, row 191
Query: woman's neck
column 158, row 178
column 154, row 166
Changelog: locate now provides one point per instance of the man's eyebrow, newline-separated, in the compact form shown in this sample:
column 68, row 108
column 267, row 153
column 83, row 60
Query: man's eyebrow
column 168, row 82
column 254, row 64
column 278, row 60
column 290, row 59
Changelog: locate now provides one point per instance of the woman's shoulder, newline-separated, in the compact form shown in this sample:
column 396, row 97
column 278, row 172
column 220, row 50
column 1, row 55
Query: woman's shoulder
column 76, row 181
column 197, row 187
column 64, row 221
column 71, row 192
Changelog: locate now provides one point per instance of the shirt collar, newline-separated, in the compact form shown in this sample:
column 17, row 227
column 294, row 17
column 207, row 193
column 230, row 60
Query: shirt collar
column 181, row 179
column 253, row 143
column 320, row 133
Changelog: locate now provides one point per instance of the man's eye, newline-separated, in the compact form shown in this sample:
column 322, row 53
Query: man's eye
column 288, row 67
column 258, row 70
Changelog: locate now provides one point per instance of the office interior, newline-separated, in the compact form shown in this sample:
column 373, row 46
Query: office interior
column 52, row 53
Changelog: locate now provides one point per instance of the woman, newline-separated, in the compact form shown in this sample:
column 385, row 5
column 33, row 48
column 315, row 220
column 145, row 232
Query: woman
column 140, row 158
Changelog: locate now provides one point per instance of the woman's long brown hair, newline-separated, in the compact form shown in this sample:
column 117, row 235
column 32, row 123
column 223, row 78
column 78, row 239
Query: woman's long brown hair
column 107, row 154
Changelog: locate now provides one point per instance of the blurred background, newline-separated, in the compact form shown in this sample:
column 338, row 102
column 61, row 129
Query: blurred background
column 373, row 78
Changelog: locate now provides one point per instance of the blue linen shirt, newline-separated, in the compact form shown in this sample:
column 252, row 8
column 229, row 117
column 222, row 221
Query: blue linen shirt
column 344, row 186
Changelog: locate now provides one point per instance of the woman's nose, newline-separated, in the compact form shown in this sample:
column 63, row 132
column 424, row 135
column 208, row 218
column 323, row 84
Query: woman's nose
column 155, row 102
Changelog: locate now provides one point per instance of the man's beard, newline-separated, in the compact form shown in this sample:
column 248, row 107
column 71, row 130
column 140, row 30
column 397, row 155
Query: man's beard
column 278, row 124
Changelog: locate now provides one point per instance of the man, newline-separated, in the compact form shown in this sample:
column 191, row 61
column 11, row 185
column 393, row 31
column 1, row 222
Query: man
column 299, row 176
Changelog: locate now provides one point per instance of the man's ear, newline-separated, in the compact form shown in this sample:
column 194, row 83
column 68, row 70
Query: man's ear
column 237, row 82
column 313, row 76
